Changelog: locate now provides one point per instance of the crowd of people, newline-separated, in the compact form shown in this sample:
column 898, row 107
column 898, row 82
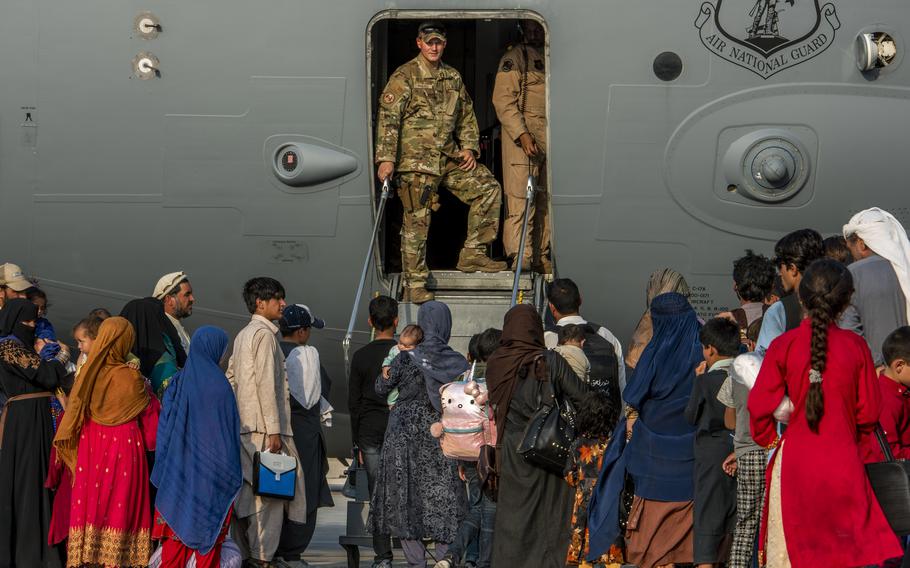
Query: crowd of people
column 138, row 448
column 677, row 453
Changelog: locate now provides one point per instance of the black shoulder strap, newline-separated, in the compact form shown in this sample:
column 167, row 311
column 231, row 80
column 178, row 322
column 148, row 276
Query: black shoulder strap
column 883, row 443
column 792, row 310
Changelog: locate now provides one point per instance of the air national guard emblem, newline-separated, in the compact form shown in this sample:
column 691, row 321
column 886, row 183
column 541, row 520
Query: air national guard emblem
column 767, row 36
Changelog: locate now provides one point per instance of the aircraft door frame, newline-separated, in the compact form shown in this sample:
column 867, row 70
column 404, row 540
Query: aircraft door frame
column 372, row 54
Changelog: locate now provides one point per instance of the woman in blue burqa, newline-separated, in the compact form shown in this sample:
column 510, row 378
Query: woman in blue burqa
column 197, row 467
column 655, row 446
column 418, row 496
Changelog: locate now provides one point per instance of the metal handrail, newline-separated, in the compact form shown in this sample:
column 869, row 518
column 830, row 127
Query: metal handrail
column 529, row 195
column 346, row 343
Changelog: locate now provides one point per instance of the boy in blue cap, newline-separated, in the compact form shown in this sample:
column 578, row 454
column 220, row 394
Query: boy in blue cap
column 307, row 382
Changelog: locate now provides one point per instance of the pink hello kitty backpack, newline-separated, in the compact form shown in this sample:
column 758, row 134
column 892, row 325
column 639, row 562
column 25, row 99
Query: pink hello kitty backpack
column 467, row 419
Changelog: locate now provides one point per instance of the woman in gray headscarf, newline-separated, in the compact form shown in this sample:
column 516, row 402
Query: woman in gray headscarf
column 661, row 281
column 417, row 496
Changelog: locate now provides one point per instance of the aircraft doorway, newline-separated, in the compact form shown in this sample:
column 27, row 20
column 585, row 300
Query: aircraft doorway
column 475, row 43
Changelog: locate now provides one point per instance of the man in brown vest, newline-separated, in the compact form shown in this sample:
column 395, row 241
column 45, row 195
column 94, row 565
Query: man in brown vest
column 520, row 99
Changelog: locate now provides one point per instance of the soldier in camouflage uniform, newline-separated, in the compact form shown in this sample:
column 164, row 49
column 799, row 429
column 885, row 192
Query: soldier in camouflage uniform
column 428, row 132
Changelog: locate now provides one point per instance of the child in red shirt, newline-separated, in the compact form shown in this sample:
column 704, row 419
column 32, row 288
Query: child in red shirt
column 895, row 414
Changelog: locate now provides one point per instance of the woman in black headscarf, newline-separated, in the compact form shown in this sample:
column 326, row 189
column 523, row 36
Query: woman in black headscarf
column 534, row 506
column 26, row 433
column 157, row 344
column 418, row 495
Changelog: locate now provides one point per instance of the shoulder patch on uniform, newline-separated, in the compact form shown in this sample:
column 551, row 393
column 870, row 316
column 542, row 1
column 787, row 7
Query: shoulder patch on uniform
column 388, row 98
column 507, row 65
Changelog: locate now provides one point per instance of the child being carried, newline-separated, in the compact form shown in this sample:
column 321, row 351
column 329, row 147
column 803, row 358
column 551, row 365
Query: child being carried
column 571, row 339
column 411, row 336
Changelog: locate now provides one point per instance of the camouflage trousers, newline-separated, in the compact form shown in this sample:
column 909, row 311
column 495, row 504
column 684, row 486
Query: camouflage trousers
column 478, row 189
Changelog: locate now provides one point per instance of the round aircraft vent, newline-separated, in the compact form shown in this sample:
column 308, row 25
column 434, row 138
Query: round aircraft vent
column 667, row 66
column 769, row 166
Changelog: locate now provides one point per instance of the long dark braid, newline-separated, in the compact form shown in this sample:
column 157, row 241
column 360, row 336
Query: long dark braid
column 825, row 292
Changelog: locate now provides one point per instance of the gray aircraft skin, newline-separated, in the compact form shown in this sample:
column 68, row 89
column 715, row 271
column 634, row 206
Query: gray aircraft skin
column 138, row 139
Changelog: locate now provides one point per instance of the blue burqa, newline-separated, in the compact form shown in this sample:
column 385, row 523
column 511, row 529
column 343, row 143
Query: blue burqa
column 660, row 456
column 197, row 462
column 440, row 363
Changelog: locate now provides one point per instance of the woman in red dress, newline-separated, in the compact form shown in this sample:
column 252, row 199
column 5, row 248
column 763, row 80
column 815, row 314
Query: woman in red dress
column 110, row 422
column 820, row 509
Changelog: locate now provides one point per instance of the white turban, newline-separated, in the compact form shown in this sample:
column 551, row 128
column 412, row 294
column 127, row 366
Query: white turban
column 887, row 238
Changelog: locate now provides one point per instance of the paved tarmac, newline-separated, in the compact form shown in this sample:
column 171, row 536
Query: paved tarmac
column 324, row 549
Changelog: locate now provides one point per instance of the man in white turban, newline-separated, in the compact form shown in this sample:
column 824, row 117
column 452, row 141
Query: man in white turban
column 176, row 293
column 881, row 277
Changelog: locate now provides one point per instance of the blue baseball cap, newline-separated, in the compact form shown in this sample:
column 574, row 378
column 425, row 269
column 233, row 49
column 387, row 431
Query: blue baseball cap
column 296, row 316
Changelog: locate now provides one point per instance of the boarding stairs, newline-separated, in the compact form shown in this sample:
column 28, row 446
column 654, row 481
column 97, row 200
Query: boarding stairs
column 477, row 300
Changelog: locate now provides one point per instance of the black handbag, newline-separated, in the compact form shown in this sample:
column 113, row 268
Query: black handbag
column 356, row 485
column 890, row 481
column 549, row 436
column 349, row 489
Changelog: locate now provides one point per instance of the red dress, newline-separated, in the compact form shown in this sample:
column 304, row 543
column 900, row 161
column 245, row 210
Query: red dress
column 111, row 511
column 60, row 480
column 830, row 515
column 176, row 554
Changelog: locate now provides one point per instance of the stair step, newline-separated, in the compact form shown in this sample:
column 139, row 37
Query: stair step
column 470, row 315
column 457, row 280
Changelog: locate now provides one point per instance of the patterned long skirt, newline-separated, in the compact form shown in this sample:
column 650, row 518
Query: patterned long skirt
column 110, row 512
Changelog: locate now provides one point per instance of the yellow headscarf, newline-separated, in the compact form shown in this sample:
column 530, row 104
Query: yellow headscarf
column 660, row 282
column 107, row 390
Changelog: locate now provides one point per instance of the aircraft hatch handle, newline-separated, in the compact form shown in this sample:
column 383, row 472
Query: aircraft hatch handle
column 346, row 343
column 529, row 198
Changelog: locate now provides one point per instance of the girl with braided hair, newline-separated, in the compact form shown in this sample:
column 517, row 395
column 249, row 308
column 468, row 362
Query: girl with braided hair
column 819, row 507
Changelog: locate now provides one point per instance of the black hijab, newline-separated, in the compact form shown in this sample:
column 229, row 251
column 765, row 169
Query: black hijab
column 151, row 325
column 11, row 317
column 521, row 345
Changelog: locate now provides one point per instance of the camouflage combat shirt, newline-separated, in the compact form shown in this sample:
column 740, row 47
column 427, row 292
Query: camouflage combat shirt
column 425, row 118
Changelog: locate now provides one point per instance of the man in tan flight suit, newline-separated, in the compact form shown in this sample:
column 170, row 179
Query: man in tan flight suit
column 520, row 99
column 427, row 132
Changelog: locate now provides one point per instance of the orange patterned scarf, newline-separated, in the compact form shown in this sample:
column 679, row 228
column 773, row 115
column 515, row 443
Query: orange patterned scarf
column 107, row 390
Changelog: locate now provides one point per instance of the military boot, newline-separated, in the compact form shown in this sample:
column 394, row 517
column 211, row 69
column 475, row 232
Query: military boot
column 473, row 260
column 416, row 295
